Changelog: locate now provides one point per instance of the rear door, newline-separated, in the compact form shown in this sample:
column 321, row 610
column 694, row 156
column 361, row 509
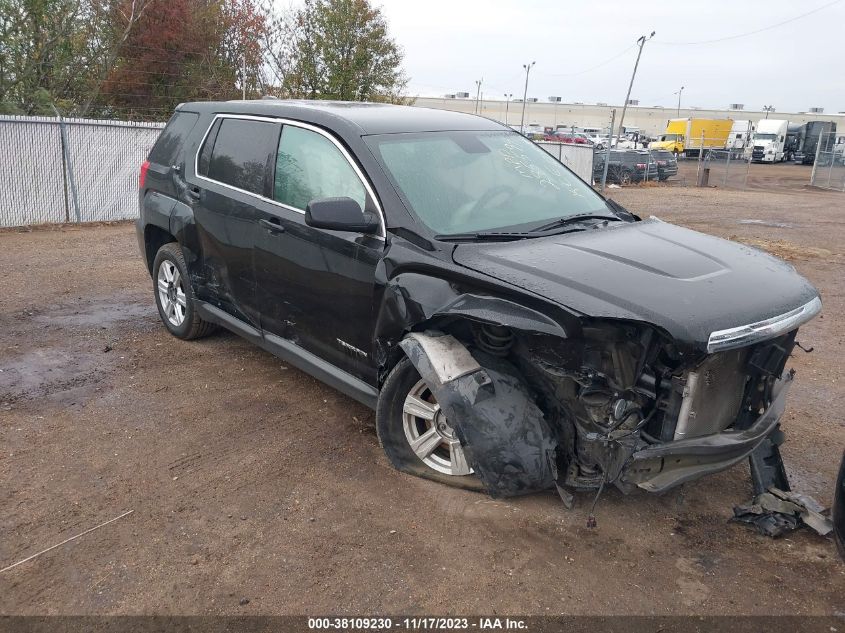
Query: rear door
column 234, row 172
column 315, row 287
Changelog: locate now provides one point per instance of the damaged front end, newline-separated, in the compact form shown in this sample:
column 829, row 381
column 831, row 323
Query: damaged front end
column 620, row 404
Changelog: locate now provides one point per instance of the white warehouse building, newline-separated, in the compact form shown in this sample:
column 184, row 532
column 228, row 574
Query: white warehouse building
column 650, row 120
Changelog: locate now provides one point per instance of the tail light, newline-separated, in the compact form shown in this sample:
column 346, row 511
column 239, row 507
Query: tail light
column 641, row 165
column 143, row 176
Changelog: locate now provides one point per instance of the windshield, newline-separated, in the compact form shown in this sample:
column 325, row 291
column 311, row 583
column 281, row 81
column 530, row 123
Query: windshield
column 765, row 137
column 467, row 181
column 671, row 137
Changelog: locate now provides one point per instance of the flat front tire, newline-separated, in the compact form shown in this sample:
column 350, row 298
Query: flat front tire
column 174, row 295
column 414, row 431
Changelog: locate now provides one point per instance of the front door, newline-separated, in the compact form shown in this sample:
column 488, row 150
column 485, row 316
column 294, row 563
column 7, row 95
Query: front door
column 315, row 287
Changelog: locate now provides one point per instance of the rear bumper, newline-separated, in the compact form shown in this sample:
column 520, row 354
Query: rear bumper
column 664, row 466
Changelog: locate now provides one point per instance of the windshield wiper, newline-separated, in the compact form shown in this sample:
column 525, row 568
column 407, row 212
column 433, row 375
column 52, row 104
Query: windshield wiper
column 484, row 236
column 574, row 219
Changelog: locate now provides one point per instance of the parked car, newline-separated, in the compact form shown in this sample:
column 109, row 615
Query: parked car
column 626, row 166
column 513, row 330
column 667, row 164
column 567, row 137
column 598, row 141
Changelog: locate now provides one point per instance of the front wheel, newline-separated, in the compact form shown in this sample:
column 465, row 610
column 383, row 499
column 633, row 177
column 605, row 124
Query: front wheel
column 175, row 296
column 415, row 434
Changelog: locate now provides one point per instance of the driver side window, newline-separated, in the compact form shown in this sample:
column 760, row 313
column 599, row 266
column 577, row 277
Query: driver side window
column 310, row 166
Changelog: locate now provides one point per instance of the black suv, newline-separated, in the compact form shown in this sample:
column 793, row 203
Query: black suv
column 626, row 166
column 667, row 163
column 513, row 330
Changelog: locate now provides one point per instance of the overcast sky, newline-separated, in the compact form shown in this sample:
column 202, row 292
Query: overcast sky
column 449, row 44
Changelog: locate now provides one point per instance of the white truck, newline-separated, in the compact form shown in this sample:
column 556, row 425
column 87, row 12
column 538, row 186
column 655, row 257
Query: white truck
column 740, row 138
column 769, row 141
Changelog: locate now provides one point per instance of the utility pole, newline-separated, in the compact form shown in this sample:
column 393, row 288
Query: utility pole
column 641, row 42
column 507, row 103
column 679, row 101
column 527, row 68
column 477, row 92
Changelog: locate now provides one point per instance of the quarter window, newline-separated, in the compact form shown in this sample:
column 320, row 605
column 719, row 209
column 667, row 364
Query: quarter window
column 242, row 154
column 309, row 166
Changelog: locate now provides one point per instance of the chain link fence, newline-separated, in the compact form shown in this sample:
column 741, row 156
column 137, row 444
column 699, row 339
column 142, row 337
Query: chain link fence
column 829, row 164
column 579, row 158
column 68, row 170
column 727, row 168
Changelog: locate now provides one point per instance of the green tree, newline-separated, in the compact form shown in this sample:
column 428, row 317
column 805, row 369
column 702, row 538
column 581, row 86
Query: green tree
column 43, row 54
column 337, row 49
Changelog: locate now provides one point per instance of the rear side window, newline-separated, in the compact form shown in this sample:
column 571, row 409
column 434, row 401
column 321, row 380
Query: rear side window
column 309, row 166
column 243, row 154
column 173, row 137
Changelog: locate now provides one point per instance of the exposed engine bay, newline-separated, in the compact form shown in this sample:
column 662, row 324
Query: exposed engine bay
column 619, row 405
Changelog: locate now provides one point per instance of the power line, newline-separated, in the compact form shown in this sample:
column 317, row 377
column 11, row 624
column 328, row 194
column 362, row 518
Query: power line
column 766, row 28
column 592, row 68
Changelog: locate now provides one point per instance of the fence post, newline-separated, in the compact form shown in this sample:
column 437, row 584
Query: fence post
column 698, row 167
column 747, row 169
column 816, row 161
column 832, row 157
column 66, row 164
column 727, row 168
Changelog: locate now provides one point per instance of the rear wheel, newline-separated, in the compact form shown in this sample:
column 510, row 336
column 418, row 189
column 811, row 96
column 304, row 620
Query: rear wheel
column 415, row 434
column 175, row 296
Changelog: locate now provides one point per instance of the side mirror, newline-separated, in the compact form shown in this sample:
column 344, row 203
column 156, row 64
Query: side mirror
column 340, row 214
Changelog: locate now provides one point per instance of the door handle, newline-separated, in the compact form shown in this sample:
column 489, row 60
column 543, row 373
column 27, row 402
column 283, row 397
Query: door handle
column 194, row 193
column 274, row 225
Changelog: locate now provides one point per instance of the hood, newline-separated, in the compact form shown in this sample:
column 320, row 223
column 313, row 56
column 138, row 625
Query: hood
column 688, row 283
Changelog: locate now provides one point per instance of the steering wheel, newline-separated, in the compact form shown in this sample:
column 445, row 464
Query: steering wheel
column 486, row 198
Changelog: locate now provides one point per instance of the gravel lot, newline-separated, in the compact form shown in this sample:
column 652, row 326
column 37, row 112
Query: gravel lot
column 250, row 480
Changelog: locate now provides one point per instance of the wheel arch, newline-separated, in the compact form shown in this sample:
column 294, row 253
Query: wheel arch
column 417, row 303
column 154, row 238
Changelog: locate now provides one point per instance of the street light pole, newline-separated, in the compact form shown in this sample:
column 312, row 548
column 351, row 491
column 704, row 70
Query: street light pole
column 641, row 42
column 767, row 109
column 679, row 101
column 507, row 103
column 477, row 92
column 527, row 68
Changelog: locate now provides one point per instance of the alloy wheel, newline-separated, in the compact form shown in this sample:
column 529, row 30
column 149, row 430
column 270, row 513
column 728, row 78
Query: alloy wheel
column 171, row 292
column 429, row 434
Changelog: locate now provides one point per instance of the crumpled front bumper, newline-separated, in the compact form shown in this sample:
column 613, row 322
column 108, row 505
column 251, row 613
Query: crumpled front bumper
column 661, row 467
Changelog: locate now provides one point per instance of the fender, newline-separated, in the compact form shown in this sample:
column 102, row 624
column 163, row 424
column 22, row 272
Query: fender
column 505, row 436
column 183, row 228
column 412, row 299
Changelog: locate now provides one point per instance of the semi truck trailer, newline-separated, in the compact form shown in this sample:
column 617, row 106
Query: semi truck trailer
column 689, row 136
column 809, row 137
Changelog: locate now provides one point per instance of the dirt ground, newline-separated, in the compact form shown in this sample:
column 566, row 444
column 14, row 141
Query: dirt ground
column 249, row 480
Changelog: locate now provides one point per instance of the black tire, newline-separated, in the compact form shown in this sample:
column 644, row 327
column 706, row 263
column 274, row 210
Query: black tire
column 625, row 177
column 192, row 327
column 391, row 434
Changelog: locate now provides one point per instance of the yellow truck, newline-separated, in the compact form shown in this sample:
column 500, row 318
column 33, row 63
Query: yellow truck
column 684, row 136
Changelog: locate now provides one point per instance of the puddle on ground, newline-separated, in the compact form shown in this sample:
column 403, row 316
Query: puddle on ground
column 98, row 313
column 777, row 225
column 43, row 372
